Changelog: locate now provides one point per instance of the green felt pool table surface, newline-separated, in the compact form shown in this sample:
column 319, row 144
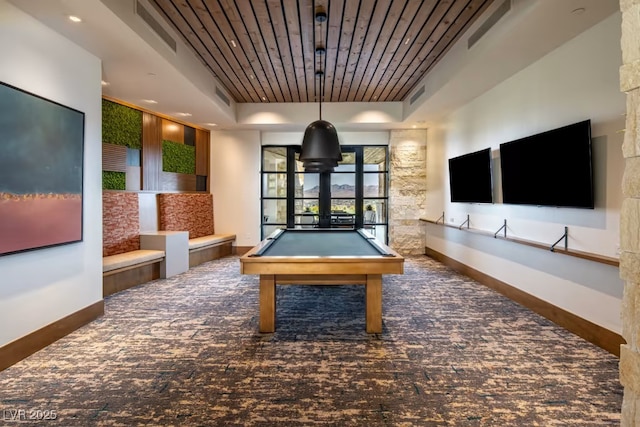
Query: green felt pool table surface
column 322, row 242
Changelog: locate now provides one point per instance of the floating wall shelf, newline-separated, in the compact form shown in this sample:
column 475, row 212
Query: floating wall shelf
column 548, row 247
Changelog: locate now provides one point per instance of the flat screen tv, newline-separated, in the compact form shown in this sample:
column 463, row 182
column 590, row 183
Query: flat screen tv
column 470, row 178
column 552, row 168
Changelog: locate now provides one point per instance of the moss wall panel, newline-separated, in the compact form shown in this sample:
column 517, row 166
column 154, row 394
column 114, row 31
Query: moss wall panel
column 112, row 180
column 121, row 125
column 178, row 158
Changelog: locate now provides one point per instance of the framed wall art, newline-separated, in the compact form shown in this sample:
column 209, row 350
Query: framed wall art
column 41, row 167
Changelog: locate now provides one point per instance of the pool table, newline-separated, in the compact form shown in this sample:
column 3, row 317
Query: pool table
column 321, row 256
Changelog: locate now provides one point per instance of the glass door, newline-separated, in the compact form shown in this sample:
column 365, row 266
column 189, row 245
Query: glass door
column 343, row 190
column 375, row 184
column 327, row 199
column 306, row 197
column 274, row 189
column 354, row 195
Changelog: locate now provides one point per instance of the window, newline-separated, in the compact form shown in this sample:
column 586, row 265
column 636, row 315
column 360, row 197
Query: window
column 274, row 188
column 355, row 195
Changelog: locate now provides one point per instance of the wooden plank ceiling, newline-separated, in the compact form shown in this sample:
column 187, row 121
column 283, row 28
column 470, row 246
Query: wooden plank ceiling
column 265, row 50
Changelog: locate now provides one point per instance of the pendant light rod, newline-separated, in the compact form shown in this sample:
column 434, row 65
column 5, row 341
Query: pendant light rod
column 320, row 103
column 321, row 16
column 320, row 149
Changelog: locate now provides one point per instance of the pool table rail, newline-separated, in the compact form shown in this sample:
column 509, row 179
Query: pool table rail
column 322, row 265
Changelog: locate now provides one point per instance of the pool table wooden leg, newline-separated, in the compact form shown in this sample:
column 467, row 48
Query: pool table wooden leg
column 374, row 303
column 267, row 303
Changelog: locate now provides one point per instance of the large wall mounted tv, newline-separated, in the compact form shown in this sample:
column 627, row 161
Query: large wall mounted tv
column 552, row 168
column 470, row 178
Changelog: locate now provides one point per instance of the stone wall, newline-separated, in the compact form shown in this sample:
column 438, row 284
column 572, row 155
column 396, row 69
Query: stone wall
column 407, row 190
column 630, row 215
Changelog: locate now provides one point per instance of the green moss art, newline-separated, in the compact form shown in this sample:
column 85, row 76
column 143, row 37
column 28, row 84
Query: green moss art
column 114, row 180
column 121, row 125
column 179, row 158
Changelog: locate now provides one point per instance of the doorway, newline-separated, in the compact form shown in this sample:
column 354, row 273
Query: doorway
column 354, row 195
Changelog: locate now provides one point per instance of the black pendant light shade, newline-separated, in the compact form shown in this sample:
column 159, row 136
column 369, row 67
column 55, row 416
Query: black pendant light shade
column 320, row 147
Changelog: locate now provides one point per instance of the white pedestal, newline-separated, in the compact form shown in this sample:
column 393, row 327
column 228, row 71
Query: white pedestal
column 175, row 245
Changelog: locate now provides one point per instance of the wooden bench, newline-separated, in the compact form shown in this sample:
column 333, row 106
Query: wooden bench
column 206, row 248
column 128, row 269
column 124, row 263
column 128, row 260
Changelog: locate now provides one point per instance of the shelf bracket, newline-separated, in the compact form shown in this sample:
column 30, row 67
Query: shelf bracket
column 504, row 227
column 466, row 222
column 441, row 218
column 565, row 236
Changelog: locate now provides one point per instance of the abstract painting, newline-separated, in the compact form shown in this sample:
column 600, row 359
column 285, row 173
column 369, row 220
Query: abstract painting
column 41, row 164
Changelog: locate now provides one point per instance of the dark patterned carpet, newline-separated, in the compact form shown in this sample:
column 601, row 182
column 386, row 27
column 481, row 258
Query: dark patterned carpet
column 186, row 351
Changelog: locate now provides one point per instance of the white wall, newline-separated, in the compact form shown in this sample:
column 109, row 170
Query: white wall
column 345, row 138
column 337, row 113
column 42, row 286
column 235, row 184
column 235, row 176
column 577, row 81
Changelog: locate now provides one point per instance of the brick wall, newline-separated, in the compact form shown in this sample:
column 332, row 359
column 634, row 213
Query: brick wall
column 120, row 223
column 186, row 212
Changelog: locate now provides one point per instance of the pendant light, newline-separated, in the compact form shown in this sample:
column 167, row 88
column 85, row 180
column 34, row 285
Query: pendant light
column 320, row 146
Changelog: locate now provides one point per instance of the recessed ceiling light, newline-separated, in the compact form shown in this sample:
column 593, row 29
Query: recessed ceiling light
column 105, row 83
column 578, row 11
column 184, row 114
column 251, row 76
column 407, row 40
column 150, row 101
column 264, row 98
column 74, row 18
column 233, row 43
column 211, row 124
